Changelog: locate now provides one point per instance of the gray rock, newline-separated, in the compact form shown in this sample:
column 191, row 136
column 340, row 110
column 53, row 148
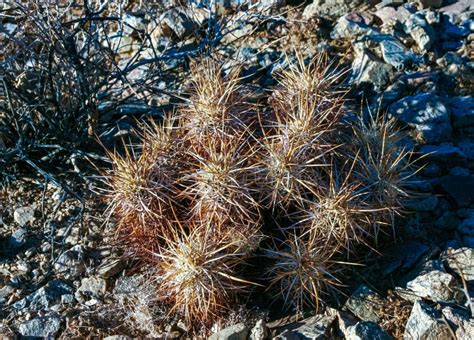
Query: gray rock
column 132, row 22
column 331, row 8
column 94, row 286
column 466, row 231
column 71, row 263
column 44, row 327
column 394, row 52
column 259, row 331
column 110, row 268
column 427, row 113
column 235, row 332
column 460, row 188
column 352, row 25
column 131, row 109
column 364, row 303
column 369, row 69
column 24, row 215
column 177, row 21
column 367, row 330
column 462, row 111
column 318, row 327
column 5, row 292
column 118, row 337
column 461, row 261
column 435, row 285
column 426, row 204
column 432, row 3
column 424, row 323
column 460, row 322
column 45, row 297
column 18, row 238
column 442, row 153
column 422, row 32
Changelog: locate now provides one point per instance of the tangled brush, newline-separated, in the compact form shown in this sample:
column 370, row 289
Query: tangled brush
column 220, row 185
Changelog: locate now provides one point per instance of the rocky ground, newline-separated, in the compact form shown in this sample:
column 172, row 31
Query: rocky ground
column 62, row 276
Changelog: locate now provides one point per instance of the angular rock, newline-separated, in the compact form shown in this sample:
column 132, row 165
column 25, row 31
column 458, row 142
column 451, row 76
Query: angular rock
column 435, row 285
column 94, row 286
column 133, row 22
column 235, row 332
column 367, row 330
column 352, row 25
column 369, row 69
column 330, row 8
column 432, row 3
column 460, row 261
column 394, row 52
column 24, row 215
column 460, row 322
column 44, row 327
column 45, row 297
column 445, row 153
column 462, row 111
column 259, row 331
column 466, row 231
column 427, row 113
column 110, row 268
column 18, row 238
column 422, row 32
column 365, row 303
column 71, row 263
column 427, row 204
column 460, row 188
column 424, row 323
column 318, row 327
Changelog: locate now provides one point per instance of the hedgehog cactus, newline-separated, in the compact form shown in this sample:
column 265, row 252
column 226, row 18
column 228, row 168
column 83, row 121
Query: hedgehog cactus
column 196, row 197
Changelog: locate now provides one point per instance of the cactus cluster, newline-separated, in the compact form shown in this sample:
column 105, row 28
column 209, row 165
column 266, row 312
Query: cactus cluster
column 229, row 178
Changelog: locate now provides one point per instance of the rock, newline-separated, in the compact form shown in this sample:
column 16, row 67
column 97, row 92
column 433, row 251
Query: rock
column 259, row 331
column 5, row 292
column 44, row 327
column 235, row 332
column 110, row 268
column 432, row 3
column 18, row 238
column 445, row 153
column 178, row 22
column 405, row 256
column 94, row 286
column 435, row 285
column 427, row 113
column 364, row 303
column 390, row 15
column 24, row 215
column 462, row 111
column 461, row 261
column 344, row 319
column 424, row 323
column 456, row 8
column 132, row 109
column 460, row 188
column 71, row 263
column 133, row 22
column 369, row 69
column 352, row 25
column 318, row 327
column 45, row 297
column 329, row 8
column 385, row 3
column 466, row 231
column 394, row 52
column 459, row 322
column 419, row 29
column 367, row 330
column 118, row 337
column 427, row 204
